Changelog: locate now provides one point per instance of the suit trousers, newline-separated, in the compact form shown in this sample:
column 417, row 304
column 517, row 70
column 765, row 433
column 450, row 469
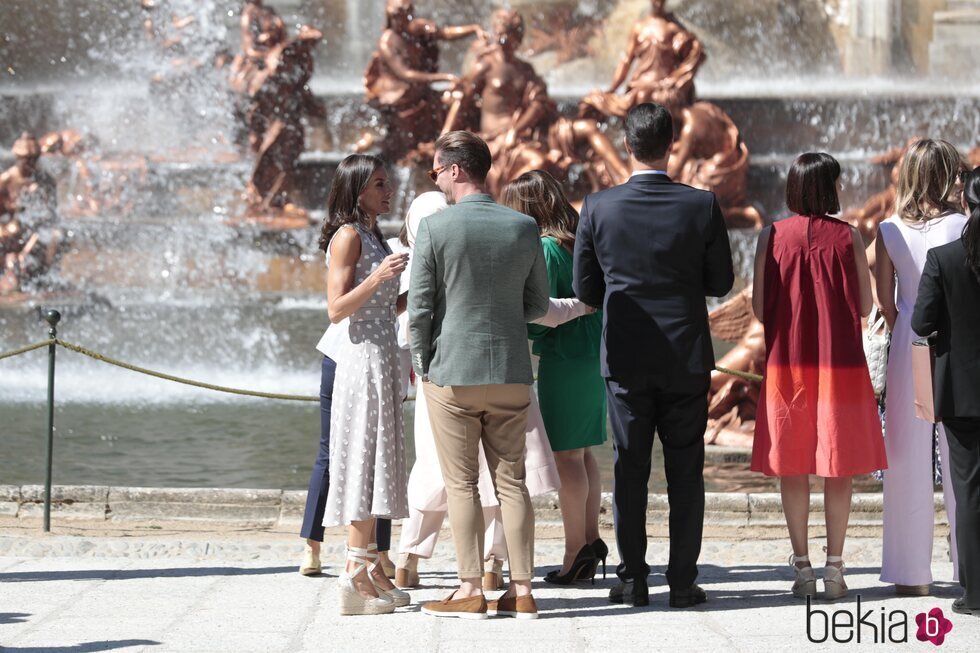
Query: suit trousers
column 316, row 496
column 963, row 436
column 462, row 417
column 639, row 408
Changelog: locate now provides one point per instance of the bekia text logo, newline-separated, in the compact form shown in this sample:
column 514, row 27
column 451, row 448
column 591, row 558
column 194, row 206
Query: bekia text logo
column 933, row 626
column 872, row 626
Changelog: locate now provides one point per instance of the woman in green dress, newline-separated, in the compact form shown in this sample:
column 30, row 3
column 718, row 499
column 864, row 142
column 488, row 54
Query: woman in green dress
column 571, row 390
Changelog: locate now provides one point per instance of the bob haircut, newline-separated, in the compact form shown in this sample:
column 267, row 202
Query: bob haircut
column 811, row 187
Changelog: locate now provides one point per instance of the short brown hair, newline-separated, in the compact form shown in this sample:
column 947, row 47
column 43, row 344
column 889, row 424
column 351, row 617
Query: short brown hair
column 811, row 187
column 468, row 151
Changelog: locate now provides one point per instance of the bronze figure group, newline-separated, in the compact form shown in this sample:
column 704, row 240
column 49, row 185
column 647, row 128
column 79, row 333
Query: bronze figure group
column 501, row 97
column 271, row 78
column 30, row 240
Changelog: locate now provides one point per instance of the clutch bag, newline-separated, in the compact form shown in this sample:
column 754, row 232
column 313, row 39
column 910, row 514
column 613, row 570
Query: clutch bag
column 876, row 342
column 923, row 374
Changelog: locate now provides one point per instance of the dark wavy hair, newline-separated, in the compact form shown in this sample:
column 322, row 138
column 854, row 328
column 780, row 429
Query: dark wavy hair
column 538, row 194
column 971, row 232
column 349, row 181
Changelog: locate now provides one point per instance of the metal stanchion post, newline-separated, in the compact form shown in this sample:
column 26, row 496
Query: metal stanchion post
column 52, row 317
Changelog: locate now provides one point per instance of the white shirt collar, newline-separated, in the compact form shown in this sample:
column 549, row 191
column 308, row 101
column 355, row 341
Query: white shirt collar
column 637, row 173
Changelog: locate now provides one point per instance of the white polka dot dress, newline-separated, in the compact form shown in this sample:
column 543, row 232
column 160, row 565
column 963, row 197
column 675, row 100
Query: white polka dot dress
column 368, row 476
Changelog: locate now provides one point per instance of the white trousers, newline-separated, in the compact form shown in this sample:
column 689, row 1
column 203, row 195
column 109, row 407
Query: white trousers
column 421, row 531
column 909, row 505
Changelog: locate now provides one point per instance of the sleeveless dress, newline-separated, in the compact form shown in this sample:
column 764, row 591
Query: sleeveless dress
column 909, row 512
column 571, row 389
column 817, row 411
column 368, row 476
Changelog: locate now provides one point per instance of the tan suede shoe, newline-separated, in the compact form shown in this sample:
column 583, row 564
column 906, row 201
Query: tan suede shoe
column 474, row 607
column 521, row 607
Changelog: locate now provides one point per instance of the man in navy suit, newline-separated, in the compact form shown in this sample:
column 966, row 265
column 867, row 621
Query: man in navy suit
column 648, row 252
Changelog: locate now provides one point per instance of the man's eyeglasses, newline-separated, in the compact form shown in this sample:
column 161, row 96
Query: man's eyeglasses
column 434, row 173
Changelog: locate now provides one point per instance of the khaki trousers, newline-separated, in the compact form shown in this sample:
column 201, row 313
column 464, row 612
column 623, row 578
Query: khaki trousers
column 461, row 417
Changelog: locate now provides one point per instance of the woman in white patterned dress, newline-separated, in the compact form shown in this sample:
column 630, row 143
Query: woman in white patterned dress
column 368, row 477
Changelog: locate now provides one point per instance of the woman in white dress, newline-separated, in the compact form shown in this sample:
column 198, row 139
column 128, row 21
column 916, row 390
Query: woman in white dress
column 367, row 448
column 927, row 215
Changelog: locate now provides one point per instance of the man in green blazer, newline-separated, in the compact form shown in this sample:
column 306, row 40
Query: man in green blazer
column 478, row 278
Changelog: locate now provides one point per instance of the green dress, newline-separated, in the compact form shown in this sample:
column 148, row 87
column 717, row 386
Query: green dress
column 571, row 390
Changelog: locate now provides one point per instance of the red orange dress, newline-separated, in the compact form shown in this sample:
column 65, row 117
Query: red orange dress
column 817, row 412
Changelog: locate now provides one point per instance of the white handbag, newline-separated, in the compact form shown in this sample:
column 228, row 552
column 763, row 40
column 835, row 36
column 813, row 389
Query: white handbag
column 876, row 342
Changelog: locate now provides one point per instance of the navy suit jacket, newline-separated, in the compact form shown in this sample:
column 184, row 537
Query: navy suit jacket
column 648, row 252
column 949, row 303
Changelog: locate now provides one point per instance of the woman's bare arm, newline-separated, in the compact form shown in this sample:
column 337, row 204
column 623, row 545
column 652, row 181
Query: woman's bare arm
column 343, row 297
column 885, row 282
column 862, row 270
column 759, row 274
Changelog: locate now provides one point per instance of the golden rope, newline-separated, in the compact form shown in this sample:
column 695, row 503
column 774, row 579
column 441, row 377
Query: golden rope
column 24, row 350
column 748, row 376
column 176, row 379
column 218, row 388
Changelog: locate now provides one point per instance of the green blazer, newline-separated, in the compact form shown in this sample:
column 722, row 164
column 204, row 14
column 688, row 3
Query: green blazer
column 478, row 278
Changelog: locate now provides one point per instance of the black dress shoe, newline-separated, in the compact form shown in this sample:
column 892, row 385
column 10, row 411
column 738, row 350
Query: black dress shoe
column 632, row 592
column 688, row 598
column 959, row 607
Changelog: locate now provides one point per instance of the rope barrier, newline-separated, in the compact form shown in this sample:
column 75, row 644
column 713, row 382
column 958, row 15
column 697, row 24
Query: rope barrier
column 219, row 388
column 748, row 376
column 176, row 379
column 24, row 350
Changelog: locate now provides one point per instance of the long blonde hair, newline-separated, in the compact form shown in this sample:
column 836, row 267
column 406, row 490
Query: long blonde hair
column 929, row 172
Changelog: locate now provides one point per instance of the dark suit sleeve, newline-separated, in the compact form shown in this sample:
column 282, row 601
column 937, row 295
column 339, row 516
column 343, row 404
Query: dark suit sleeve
column 588, row 281
column 719, row 271
column 421, row 300
column 931, row 300
column 536, row 298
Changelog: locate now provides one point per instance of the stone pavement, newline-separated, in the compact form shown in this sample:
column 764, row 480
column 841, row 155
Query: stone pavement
column 165, row 588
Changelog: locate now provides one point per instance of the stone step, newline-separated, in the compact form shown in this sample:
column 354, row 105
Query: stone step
column 284, row 508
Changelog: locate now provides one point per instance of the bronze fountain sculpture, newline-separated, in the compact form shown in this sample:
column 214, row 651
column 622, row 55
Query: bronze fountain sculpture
column 279, row 98
column 710, row 154
column 30, row 241
column 503, row 99
column 398, row 80
column 659, row 65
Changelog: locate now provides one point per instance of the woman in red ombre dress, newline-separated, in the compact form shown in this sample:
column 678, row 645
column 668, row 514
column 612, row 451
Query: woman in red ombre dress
column 817, row 412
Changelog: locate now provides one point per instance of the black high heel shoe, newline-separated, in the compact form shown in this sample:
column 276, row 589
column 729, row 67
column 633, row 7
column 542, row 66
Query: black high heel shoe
column 582, row 568
column 600, row 550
